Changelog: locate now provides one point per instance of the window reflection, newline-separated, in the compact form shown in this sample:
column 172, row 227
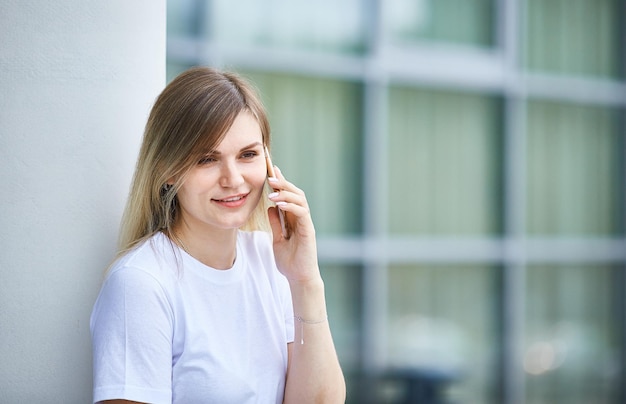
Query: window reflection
column 442, row 320
column 465, row 22
column 321, row 25
column 573, row 334
column 448, row 170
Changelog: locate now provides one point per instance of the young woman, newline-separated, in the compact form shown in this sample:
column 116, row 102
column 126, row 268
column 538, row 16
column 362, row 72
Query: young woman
column 195, row 309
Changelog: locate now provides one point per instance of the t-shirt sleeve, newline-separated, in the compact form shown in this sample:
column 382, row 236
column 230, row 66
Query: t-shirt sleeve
column 131, row 328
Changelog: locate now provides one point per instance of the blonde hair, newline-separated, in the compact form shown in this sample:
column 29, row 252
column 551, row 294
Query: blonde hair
column 189, row 118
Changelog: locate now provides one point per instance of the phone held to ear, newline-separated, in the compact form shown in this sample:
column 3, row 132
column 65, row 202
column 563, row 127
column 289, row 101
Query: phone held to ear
column 281, row 214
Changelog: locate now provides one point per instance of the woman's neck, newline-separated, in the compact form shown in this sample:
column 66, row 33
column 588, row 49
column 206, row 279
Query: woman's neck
column 216, row 249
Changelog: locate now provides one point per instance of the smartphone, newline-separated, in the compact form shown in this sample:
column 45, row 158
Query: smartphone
column 281, row 214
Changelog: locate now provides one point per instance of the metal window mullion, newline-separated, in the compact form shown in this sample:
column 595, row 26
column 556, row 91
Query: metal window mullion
column 510, row 28
column 375, row 169
column 515, row 262
column 375, row 173
column 620, row 289
column 514, row 247
column 621, row 128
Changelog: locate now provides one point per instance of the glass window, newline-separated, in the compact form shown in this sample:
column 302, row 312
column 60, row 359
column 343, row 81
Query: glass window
column 572, row 343
column 442, row 320
column 316, row 141
column 574, row 157
column 580, row 37
column 320, row 25
column 342, row 285
column 185, row 18
column 444, row 167
column 174, row 69
column 454, row 21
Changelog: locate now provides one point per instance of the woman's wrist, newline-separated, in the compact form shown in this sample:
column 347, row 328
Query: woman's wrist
column 307, row 285
column 308, row 298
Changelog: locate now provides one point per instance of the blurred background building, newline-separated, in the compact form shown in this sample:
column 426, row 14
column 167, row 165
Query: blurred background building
column 464, row 161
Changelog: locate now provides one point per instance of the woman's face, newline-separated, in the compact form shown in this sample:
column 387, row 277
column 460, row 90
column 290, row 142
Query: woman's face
column 224, row 188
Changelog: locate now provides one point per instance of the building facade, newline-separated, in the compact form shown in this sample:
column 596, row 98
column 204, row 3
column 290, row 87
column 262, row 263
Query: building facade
column 464, row 162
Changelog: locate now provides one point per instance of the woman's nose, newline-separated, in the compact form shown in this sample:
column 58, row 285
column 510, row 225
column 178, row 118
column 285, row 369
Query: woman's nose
column 230, row 175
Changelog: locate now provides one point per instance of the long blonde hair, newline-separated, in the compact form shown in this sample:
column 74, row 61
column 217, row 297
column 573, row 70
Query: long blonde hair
column 189, row 118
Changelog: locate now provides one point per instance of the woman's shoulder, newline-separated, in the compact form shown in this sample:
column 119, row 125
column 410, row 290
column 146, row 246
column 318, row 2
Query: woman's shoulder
column 155, row 256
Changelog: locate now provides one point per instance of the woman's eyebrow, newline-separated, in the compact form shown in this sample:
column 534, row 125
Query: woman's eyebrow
column 252, row 146
column 248, row 147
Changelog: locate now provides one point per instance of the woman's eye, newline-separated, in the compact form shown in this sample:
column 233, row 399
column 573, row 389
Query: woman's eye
column 207, row 160
column 249, row 154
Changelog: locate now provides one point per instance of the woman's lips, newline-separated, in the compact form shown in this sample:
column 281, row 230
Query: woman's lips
column 232, row 201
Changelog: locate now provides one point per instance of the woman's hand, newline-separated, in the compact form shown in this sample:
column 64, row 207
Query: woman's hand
column 296, row 257
column 313, row 370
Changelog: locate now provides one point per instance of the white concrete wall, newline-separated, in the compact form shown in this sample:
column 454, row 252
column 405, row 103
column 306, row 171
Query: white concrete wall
column 77, row 79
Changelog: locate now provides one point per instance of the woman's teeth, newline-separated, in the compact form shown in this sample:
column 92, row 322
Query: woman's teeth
column 231, row 199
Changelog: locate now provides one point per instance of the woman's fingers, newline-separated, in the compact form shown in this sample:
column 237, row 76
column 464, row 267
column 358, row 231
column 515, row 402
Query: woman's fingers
column 291, row 200
column 287, row 196
column 280, row 183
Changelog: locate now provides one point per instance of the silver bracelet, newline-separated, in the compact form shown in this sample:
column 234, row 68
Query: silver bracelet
column 303, row 322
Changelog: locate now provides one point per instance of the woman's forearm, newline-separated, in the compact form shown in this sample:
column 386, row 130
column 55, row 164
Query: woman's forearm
column 314, row 374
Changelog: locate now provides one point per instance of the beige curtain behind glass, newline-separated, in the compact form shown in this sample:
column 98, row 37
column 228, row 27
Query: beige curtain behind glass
column 579, row 37
column 443, row 318
column 451, row 21
column 573, row 170
column 572, row 341
column 327, row 25
column 445, row 167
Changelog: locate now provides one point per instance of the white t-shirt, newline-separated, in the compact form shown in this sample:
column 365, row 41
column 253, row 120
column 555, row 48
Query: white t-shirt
column 168, row 329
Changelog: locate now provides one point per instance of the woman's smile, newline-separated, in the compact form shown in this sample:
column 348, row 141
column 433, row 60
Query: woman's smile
column 232, row 201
